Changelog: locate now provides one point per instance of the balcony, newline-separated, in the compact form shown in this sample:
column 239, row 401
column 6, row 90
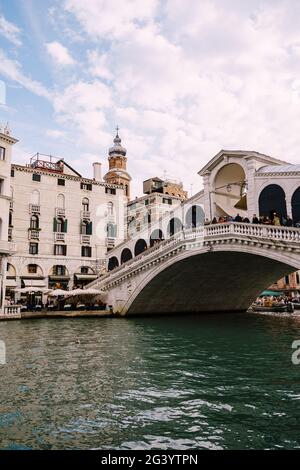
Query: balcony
column 85, row 239
column 60, row 212
column 34, row 209
column 86, row 215
column 110, row 242
column 7, row 248
column 60, row 237
column 33, row 234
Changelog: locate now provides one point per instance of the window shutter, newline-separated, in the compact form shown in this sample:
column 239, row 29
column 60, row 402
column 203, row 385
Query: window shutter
column 54, row 225
column 65, row 250
column 81, row 229
column 65, row 226
column 90, row 229
column 90, row 251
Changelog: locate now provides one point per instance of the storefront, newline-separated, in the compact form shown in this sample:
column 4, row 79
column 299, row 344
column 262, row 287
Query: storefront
column 81, row 280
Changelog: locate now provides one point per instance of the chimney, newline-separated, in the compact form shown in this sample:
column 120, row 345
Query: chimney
column 97, row 171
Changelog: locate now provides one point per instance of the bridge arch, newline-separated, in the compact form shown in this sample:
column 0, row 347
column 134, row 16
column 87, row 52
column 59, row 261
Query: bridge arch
column 296, row 205
column 112, row 263
column 126, row 255
column 139, row 247
column 194, row 216
column 272, row 199
column 156, row 236
column 187, row 283
column 174, row 226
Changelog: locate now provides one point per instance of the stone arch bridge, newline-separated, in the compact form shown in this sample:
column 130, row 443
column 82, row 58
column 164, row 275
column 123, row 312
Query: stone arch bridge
column 213, row 268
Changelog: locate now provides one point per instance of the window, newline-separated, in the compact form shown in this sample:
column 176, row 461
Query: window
column 61, row 182
column 86, row 228
column 10, row 219
column 84, row 270
column 32, row 268
column 86, row 251
column 111, row 230
column 33, row 248
column 36, row 177
column 60, row 225
column 110, row 190
column 86, row 186
column 12, row 173
column 1, row 185
column 146, row 202
column 61, row 201
column 110, row 208
column 287, row 280
column 85, row 204
column 167, row 201
column 34, row 222
column 59, row 270
column 60, row 250
column 2, row 153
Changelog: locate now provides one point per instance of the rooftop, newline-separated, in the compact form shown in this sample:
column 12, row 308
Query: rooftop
column 280, row 169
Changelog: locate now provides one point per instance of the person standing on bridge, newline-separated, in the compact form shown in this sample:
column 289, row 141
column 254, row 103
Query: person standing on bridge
column 238, row 218
column 255, row 219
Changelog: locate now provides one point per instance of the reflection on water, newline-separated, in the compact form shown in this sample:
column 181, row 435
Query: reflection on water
column 207, row 381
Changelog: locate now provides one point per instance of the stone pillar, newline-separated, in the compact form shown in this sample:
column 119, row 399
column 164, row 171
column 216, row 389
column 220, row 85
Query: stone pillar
column 208, row 210
column 3, row 268
column 251, row 191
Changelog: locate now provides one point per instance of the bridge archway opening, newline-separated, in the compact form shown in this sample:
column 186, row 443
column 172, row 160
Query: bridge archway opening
column 174, row 226
column 194, row 217
column 230, row 191
column 156, row 236
column 139, row 247
column 126, row 255
column 272, row 199
column 113, row 263
column 296, row 205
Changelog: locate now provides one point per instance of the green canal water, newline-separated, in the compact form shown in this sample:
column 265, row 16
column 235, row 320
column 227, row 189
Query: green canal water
column 193, row 382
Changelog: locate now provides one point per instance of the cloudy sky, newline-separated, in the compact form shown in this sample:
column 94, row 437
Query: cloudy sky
column 182, row 79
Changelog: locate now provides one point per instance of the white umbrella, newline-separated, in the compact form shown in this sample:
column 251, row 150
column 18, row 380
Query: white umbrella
column 31, row 290
column 91, row 291
column 74, row 292
column 59, row 293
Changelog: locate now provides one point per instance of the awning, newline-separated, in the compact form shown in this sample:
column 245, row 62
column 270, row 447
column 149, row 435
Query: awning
column 34, row 283
column 59, row 278
column 86, row 277
column 11, row 283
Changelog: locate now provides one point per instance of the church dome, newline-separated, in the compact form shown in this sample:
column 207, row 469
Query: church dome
column 117, row 149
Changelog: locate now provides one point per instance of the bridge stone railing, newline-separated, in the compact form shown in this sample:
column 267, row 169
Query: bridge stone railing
column 205, row 234
column 11, row 311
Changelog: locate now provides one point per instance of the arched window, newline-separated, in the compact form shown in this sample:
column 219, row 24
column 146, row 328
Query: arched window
column 140, row 246
column 110, row 208
column 272, row 199
column 296, row 206
column 61, row 201
column 156, row 236
column 174, row 226
column 35, row 198
column 34, row 222
column 194, row 217
column 113, row 263
column 85, row 204
column 126, row 255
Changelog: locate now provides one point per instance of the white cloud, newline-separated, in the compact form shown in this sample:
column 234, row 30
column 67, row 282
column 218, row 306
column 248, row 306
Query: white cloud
column 12, row 70
column 55, row 133
column 98, row 65
column 10, row 31
column 59, row 53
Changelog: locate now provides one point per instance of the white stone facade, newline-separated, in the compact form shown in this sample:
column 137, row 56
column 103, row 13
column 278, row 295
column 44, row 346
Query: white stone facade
column 62, row 224
column 6, row 248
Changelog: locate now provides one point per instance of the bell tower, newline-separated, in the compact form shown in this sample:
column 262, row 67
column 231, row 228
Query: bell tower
column 117, row 160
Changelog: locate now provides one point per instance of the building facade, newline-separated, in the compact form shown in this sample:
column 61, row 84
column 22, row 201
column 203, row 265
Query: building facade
column 62, row 224
column 6, row 248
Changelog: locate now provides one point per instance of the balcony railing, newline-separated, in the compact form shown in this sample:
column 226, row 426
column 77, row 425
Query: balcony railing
column 33, row 234
column 110, row 242
column 10, row 234
column 12, row 311
column 85, row 239
column 60, row 212
column 85, row 214
column 60, row 237
column 34, row 209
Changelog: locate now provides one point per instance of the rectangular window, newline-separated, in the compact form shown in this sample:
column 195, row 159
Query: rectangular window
column 86, row 251
column 86, row 186
column 36, row 177
column 110, row 190
column 167, row 201
column 60, row 250
column 146, row 202
column 32, row 269
column 61, row 182
column 60, row 271
column 12, row 173
column 2, row 153
column 33, row 248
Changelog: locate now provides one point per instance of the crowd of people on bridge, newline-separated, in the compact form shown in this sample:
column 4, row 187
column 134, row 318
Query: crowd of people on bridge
column 274, row 219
